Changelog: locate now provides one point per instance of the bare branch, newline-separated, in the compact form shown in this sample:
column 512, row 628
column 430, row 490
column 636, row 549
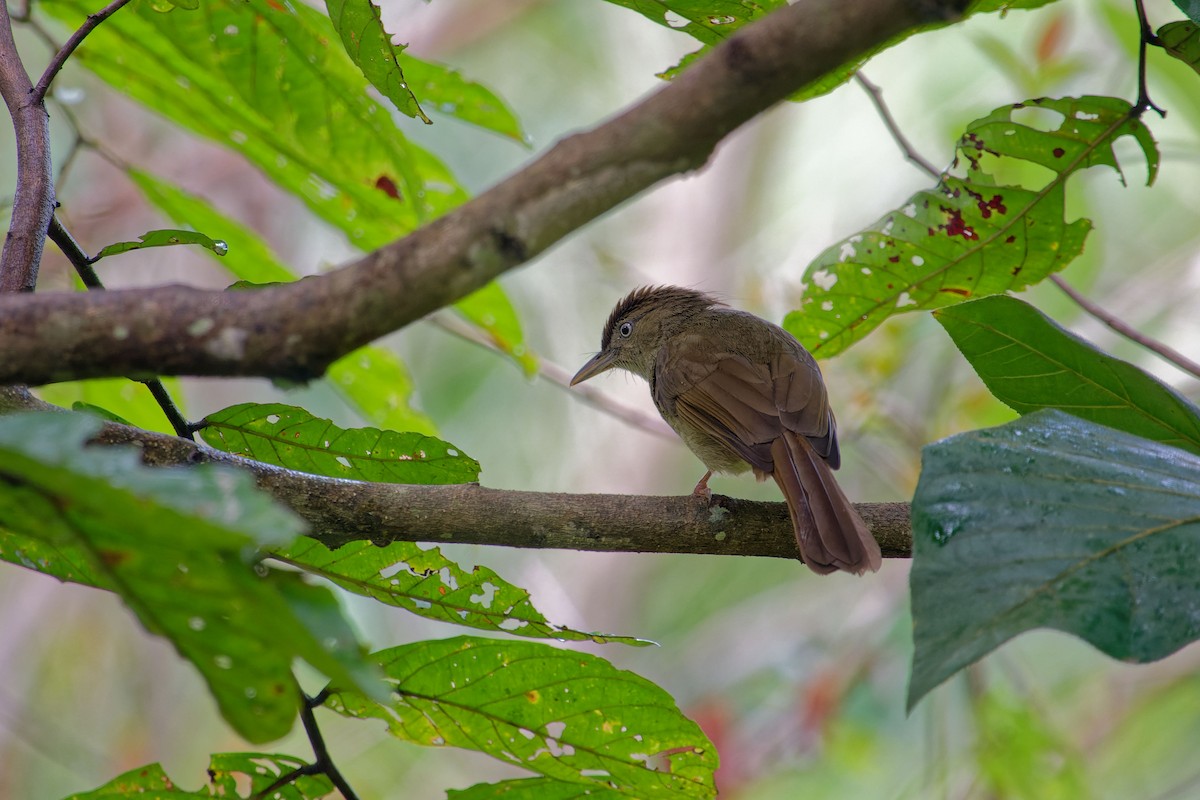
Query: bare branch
column 889, row 122
column 33, row 200
column 60, row 58
column 1168, row 353
column 295, row 331
column 341, row 511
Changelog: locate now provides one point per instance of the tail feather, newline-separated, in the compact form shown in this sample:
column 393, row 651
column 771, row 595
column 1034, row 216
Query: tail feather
column 830, row 533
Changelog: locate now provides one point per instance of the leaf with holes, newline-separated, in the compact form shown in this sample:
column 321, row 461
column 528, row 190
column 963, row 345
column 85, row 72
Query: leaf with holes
column 968, row 237
column 164, row 238
column 534, row 789
column 1052, row 521
column 568, row 716
column 430, row 585
column 291, row 437
column 253, row 772
column 176, row 545
column 1030, row 363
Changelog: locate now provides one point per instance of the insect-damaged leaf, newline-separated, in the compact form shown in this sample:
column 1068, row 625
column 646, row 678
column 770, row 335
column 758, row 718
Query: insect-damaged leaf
column 968, row 237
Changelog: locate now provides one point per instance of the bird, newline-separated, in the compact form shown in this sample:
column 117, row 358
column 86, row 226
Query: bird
column 743, row 394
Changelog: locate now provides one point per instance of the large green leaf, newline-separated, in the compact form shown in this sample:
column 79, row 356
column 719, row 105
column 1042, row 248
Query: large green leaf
column 176, row 545
column 534, row 789
column 569, row 716
column 968, row 237
column 291, row 437
column 490, row 309
column 1052, row 521
column 377, row 383
column 1030, row 363
column 267, row 80
column 254, row 772
column 430, row 585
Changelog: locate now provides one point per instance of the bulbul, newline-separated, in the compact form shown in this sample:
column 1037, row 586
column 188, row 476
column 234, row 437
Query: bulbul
column 743, row 394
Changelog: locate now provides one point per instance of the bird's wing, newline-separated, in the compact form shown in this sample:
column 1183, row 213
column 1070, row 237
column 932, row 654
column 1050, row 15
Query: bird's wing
column 742, row 404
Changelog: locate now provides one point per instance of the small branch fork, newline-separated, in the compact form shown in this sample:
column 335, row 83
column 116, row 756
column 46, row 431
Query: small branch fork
column 323, row 763
column 1146, row 38
column 60, row 58
column 1160, row 349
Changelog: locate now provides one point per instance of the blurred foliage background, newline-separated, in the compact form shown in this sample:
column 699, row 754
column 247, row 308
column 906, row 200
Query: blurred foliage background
column 798, row 680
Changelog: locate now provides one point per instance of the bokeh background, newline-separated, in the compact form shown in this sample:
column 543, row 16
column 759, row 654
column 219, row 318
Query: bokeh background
column 799, row 680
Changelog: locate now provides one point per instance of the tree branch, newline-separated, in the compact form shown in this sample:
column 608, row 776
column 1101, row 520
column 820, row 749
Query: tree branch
column 64, row 52
column 341, row 511
column 295, row 331
column 33, row 200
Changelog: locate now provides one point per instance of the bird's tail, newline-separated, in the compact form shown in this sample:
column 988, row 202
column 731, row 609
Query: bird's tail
column 830, row 533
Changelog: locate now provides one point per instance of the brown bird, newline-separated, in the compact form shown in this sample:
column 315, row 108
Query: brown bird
column 742, row 394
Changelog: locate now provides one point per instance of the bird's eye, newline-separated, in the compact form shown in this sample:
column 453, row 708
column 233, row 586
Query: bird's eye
column 625, row 329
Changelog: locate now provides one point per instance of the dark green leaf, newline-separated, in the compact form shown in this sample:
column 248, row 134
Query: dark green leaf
column 430, row 585
column 226, row 772
column 176, row 545
column 275, row 433
column 1182, row 40
column 98, row 412
column 370, row 47
column 164, row 238
column 568, row 716
column 968, row 237
column 1030, row 363
column 1051, row 521
column 1191, row 8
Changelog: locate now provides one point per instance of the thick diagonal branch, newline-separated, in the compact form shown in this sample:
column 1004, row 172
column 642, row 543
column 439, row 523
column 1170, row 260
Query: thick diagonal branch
column 295, row 331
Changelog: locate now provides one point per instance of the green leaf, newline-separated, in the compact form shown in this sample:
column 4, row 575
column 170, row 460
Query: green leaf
column 1021, row 757
column 176, row 545
column 1182, row 41
column 968, row 237
column 430, row 585
column 1052, row 521
column 444, row 89
column 533, row 789
column 226, row 772
column 290, row 437
column 133, row 400
column 1030, row 363
column 370, row 47
column 569, row 716
column 248, row 258
column 164, row 238
column 261, row 78
column 1191, row 8
column 490, row 309
column 375, row 381
column 711, row 21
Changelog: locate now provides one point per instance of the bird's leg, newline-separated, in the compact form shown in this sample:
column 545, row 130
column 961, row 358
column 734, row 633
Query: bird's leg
column 702, row 491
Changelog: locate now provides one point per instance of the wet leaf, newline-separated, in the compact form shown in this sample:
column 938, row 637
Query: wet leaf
column 164, row 238
column 1052, row 521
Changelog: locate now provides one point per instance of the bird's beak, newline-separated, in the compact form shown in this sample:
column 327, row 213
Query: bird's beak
column 597, row 364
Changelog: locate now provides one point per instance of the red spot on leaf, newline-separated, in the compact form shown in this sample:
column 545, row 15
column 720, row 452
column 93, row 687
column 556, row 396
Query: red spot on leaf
column 1058, row 152
column 956, row 290
column 388, row 186
column 956, row 226
column 896, row 259
column 1010, row 239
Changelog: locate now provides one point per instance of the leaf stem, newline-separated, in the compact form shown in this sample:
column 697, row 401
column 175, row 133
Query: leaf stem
column 889, row 122
column 83, row 266
column 1146, row 36
column 320, row 750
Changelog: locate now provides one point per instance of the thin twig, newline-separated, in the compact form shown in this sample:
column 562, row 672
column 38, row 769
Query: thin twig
column 889, row 121
column 321, row 752
column 60, row 58
column 1146, row 37
column 1167, row 353
column 557, row 376
column 83, row 266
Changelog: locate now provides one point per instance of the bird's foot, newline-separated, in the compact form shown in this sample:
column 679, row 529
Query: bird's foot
column 702, row 491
